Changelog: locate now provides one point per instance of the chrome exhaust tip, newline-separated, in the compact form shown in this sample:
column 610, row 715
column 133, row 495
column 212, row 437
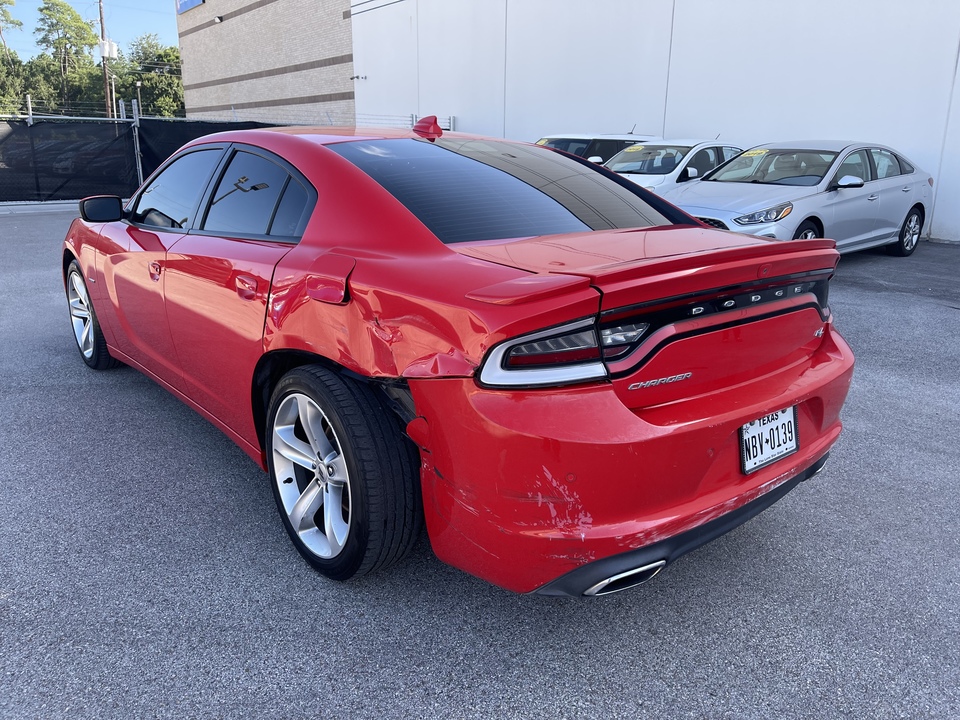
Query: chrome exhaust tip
column 625, row 580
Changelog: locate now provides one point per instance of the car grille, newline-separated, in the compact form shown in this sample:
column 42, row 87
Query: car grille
column 713, row 223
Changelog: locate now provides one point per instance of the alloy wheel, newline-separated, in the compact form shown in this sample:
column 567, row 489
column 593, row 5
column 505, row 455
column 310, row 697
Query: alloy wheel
column 311, row 475
column 80, row 314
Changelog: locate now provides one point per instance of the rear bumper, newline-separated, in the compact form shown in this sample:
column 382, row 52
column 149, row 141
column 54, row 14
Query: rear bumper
column 554, row 490
column 591, row 579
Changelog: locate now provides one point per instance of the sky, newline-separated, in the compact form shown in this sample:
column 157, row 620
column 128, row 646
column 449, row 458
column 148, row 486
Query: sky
column 125, row 20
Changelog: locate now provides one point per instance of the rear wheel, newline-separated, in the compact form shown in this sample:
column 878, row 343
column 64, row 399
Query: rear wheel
column 808, row 230
column 344, row 476
column 86, row 328
column 909, row 235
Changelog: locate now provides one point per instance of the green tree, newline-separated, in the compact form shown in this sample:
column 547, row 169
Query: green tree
column 8, row 21
column 157, row 67
column 11, row 85
column 68, row 38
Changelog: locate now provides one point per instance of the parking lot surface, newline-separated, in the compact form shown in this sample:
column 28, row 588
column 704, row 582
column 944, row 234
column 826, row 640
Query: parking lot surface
column 144, row 571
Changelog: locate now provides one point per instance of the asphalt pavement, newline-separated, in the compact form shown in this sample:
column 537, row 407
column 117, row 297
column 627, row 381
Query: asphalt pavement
column 144, row 571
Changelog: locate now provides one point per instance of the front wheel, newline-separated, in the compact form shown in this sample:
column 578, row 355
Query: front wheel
column 86, row 328
column 909, row 235
column 344, row 476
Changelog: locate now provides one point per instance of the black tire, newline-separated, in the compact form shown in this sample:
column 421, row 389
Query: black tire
column 360, row 509
column 909, row 236
column 86, row 328
column 806, row 227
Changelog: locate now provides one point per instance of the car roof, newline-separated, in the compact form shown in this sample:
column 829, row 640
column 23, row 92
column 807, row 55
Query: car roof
column 825, row 145
column 689, row 142
column 598, row 136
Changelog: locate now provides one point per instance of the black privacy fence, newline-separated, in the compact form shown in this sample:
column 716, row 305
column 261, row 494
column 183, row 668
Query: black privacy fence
column 53, row 159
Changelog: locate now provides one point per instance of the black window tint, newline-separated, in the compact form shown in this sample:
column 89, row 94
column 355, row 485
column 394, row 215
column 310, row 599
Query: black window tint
column 246, row 196
column 292, row 204
column 170, row 200
column 465, row 190
column 572, row 146
column 605, row 149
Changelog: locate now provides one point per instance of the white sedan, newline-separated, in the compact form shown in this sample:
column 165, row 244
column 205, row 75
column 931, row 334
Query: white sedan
column 660, row 165
column 860, row 195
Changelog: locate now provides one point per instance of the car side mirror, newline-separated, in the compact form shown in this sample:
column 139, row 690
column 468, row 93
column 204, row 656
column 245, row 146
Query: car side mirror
column 688, row 173
column 101, row 208
column 848, row 181
column 596, row 159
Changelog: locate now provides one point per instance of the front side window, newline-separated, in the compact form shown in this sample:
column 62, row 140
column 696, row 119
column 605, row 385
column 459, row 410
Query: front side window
column 468, row 190
column 645, row 159
column 246, row 196
column 776, row 167
column 729, row 153
column 604, row 149
column 704, row 161
column 573, row 146
column 171, row 198
column 855, row 164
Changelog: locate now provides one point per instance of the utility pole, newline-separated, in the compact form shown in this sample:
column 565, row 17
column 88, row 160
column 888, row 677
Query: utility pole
column 103, row 63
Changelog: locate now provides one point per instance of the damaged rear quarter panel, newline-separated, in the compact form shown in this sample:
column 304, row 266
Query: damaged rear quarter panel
column 405, row 310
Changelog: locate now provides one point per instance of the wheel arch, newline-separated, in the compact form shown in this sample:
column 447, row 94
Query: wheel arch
column 68, row 257
column 816, row 221
column 923, row 213
column 275, row 364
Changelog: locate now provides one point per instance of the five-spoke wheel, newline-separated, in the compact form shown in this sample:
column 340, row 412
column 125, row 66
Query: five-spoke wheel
column 909, row 235
column 344, row 476
column 312, row 477
column 86, row 329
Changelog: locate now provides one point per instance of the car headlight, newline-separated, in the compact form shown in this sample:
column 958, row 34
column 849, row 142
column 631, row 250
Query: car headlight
column 778, row 212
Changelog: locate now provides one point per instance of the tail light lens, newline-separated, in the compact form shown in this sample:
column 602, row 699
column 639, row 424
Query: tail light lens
column 563, row 355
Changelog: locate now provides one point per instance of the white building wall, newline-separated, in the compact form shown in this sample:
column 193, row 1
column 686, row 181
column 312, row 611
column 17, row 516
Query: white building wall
column 753, row 71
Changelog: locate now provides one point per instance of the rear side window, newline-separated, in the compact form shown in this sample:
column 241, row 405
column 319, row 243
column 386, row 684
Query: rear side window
column 171, row 198
column 286, row 222
column 886, row 163
column 468, row 190
column 246, row 196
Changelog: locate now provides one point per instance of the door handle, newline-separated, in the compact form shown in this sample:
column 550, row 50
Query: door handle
column 154, row 271
column 871, row 198
column 906, row 189
column 246, row 287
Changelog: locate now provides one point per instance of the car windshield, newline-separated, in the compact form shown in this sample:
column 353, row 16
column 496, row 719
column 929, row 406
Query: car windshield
column 468, row 190
column 776, row 167
column 647, row 159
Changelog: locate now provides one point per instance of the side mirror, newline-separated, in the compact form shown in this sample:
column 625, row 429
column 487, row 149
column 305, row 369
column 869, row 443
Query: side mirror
column 849, row 181
column 595, row 159
column 101, row 208
column 688, row 173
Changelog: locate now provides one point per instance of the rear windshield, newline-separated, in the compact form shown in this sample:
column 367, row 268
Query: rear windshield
column 469, row 190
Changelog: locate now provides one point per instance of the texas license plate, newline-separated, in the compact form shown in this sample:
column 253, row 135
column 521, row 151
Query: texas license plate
column 768, row 439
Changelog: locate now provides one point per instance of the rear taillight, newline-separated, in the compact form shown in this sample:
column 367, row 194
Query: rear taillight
column 560, row 356
column 618, row 339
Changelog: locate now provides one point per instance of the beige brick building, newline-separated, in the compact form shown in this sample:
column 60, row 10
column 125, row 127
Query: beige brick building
column 286, row 61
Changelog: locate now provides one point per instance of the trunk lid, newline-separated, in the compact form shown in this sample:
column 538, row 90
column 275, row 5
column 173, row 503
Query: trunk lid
column 645, row 265
column 723, row 310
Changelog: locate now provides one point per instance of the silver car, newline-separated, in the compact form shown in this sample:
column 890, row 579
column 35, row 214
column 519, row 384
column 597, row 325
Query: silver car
column 858, row 194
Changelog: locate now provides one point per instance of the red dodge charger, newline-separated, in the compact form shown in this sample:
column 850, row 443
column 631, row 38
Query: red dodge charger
column 571, row 381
